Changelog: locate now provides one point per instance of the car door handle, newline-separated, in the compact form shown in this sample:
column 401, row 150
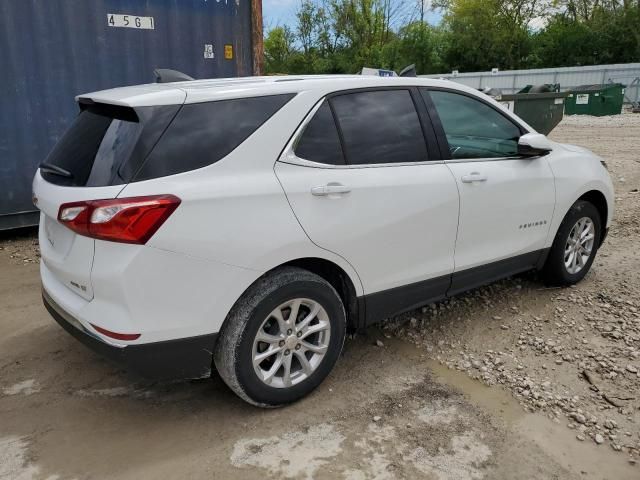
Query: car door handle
column 330, row 189
column 474, row 177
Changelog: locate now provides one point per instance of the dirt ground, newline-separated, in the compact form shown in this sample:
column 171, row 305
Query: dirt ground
column 509, row 381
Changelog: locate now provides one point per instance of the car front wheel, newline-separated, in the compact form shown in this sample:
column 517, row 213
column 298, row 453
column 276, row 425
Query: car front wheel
column 575, row 246
column 282, row 338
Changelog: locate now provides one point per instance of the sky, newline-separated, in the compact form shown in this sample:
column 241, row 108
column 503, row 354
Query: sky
column 282, row 12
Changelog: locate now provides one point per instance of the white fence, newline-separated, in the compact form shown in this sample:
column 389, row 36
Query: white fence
column 511, row 81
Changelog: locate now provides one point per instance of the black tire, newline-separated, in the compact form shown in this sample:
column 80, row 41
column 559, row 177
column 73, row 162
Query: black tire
column 233, row 354
column 555, row 272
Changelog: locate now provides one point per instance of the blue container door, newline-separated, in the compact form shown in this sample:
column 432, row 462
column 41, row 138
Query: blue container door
column 53, row 50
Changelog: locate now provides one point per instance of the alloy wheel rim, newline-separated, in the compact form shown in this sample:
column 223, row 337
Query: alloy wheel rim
column 291, row 343
column 579, row 246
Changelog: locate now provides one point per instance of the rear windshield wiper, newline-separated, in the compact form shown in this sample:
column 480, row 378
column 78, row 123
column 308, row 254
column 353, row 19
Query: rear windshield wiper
column 55, row 170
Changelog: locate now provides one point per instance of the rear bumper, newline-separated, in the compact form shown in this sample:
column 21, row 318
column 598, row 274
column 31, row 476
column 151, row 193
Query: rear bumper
column 171, row 359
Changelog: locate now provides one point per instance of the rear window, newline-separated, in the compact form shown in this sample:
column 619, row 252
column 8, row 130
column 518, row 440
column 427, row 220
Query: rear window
column 106, row 145
column 109, row 145
column 71, row 160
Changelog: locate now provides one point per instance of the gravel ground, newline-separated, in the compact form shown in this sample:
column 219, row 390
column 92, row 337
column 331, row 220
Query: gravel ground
column 572, row 354
column 511, row 380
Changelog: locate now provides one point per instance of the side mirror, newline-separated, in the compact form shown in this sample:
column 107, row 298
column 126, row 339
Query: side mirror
column 534, row 145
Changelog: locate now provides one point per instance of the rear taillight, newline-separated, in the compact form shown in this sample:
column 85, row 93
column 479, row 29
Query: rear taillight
column 126, row 220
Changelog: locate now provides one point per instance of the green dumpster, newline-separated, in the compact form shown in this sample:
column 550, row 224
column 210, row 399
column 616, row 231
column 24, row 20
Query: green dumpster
column 545, row 87
column 596, row 100
column 543, row 111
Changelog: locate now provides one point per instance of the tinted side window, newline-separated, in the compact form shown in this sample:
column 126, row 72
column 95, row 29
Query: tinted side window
column 203, row 133
column 380, row 127
column 474, row 129
column 320, row 141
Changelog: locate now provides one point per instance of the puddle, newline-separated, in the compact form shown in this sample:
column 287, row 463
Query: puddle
column 554, row 439
column 437, row 413
column 493, row 399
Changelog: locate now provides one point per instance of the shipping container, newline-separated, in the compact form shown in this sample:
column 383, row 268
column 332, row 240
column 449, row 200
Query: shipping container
column 53, row 50
column 596, row 100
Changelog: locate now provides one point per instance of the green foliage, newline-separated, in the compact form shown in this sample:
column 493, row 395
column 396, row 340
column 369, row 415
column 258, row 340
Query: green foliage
column 590, row 33
column 279, row 50
column 420, row 44
column 472, row 35
column 565, row 42
column 342, row 36
column 363, row 29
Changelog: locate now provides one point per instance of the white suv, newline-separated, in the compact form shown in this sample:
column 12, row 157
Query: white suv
column 249, row 223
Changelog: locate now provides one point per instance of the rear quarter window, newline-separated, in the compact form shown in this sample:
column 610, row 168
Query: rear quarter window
column 204, row 133
column 320, row 141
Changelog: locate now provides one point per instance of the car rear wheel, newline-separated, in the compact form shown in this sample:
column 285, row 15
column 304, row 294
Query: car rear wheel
column 282, row 338
column 575, row 246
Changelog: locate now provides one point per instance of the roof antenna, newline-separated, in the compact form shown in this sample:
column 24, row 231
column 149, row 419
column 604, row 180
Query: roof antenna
column 409, row 71
column 166, row 75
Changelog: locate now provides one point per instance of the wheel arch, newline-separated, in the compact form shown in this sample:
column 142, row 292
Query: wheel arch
column 593, row 194
column 338, row 278
column 345, row 285
column 598, row 200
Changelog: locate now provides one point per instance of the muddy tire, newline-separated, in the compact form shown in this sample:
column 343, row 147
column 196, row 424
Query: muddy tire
column 575, row 245
column 281, row 338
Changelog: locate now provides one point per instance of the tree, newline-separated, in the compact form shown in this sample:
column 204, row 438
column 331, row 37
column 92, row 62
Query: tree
column 471, row 35
column 590, row 32
column 564, row 42
column 489, row 33
column 418, row 43
column 363, row 27
column 342, row 36
column 316, row 36
column 278, row 50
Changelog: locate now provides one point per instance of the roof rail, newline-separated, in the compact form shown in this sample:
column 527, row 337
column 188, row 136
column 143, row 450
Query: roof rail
column 409, row 71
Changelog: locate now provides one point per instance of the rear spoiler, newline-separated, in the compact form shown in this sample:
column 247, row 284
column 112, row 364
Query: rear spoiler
column 120, row 112
column 140, row 95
